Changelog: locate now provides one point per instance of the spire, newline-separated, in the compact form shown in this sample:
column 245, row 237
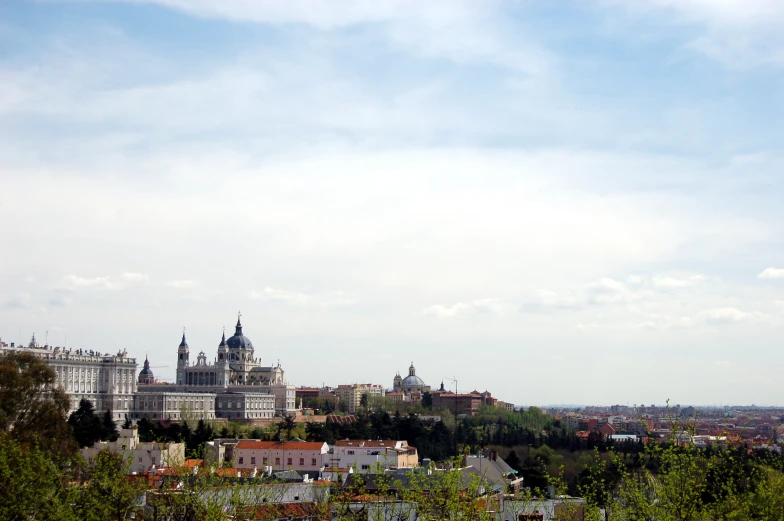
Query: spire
column 223, row 339
column 183, row 343
column 238, row 331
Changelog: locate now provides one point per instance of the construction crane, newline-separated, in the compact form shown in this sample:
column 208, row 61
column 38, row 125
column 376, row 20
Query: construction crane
column 453, row 380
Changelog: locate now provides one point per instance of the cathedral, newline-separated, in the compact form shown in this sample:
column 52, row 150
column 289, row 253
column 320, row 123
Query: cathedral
column 233, row 385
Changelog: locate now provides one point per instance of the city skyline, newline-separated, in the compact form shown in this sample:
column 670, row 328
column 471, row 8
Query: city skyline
column 558, row 203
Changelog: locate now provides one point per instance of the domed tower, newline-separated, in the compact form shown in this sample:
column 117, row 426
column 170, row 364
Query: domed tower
column 412, row 370
column 183, row 359
column 145, row 375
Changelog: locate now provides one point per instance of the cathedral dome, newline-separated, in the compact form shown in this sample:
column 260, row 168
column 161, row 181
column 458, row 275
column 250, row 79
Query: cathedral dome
column 239, row 341
column 145, row 375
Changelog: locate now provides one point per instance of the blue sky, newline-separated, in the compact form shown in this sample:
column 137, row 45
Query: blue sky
column 556, row 201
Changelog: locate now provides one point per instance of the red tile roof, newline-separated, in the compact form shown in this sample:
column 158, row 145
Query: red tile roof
column 276, row 445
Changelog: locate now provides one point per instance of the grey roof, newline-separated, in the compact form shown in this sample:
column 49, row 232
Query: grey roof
column 412, row 380
column 404, row 479
column 495, row 471
column 223, row 340
column 239, row 341
column 183, row 343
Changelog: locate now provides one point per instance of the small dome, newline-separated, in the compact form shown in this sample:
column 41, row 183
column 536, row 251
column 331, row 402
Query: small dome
column 239, row 341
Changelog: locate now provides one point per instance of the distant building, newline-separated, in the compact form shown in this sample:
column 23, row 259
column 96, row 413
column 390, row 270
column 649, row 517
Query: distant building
column 108, row 381
column 366, row 455
column 457, row 404
column 351, row 394
column 141, row 456
column 234, row 386
column 302, row 456
column 410, row 384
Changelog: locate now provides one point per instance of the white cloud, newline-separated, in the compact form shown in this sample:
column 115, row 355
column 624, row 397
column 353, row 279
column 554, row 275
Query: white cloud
column 296, row 298
column 772, row 273
column 76, row 283
column 135, row 277
column 610, row 291
column 181, row 284
column 739, row 34
column 485, row 305
column 61, row 301
column 21, row 300
column 729, row 315
column 668, row 282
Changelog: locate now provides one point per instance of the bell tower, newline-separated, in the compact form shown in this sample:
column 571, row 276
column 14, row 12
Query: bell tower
column 183, row 359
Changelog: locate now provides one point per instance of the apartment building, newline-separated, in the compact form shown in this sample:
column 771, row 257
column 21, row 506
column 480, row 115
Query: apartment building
column 366, row 455
column 302, row 456
column 142, row 456
column 351, row 394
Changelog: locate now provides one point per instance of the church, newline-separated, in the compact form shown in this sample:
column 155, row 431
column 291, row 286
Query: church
column 233, row 385
column 412, row 386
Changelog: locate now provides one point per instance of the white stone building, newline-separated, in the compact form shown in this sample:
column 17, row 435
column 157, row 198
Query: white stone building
column 238, row 386
column 108, row 381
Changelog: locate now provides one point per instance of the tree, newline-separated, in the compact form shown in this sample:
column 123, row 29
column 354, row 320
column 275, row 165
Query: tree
column 32, row 485
column 32, row 407
column 106, row 492
column 87, row 426
column 288, row 424
column 363, row 401
column 427, row 400
column 109, row 427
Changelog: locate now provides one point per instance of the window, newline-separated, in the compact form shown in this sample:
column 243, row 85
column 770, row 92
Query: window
column 351, row 452
column 140, row 460
column 253, row 460
column 264, row 461
column 277, row 461
column 288, row 461
column 313, row 461
column 302, row 461
column 365, row 467
column 241, row 460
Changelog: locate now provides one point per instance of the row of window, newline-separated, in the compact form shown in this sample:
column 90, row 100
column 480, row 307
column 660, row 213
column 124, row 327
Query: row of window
column 277, row 461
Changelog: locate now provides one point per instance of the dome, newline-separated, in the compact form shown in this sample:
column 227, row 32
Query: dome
column 412, row 381
column 239, row 341
column 145, row 375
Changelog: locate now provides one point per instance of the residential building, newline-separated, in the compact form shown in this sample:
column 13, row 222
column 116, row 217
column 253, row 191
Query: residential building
column 142, row 456
column 302, row 456
column 467, row 404
column 351, row 394
column 367, row 455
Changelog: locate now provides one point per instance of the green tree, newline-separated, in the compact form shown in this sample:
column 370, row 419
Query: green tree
column 31, row 484
column 109, row 426
column 33, row 409
column 427, row 400
column 105, row 491
column 87, row 426
column 363, row 401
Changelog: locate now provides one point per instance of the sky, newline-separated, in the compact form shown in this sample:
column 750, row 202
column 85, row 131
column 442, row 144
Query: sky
column 559, row 202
